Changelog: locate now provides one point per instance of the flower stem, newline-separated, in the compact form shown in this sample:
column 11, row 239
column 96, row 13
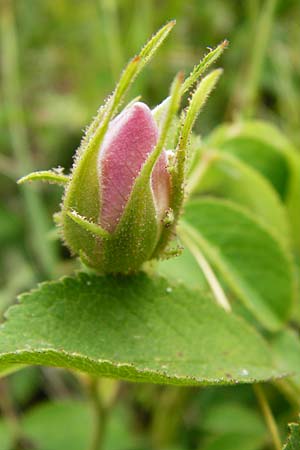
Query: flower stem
column 268, row 416
column 100, row 414
column 35, row 212
column 167, row 415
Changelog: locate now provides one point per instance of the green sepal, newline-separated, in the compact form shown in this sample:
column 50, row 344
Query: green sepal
column 197, row 101
column 89, row 226
column 203, row 65
column 48, row 176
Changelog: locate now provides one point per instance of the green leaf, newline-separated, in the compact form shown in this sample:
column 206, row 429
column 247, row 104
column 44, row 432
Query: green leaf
column 262, row 146
column 225, row 175
column 249, row 259
column 286, row 351
column 293, row 442
column 182, row 269
column 135, row 328
column 257, row 144
column 24, row 385
column 230, row 417
column 58, row 425
column 68, row 424
column 230, row 441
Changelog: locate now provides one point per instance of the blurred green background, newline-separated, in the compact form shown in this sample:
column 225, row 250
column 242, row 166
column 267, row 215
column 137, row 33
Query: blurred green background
column 59, row 60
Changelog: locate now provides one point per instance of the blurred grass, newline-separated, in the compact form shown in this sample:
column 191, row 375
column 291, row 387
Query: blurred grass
column 70, row 53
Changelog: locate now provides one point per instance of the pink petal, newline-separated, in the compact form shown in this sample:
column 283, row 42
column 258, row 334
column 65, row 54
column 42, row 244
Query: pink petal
column 130, row 138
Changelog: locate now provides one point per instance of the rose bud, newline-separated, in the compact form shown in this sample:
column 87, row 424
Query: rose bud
column 111, row 227
column 133, row 231
column 123, row 198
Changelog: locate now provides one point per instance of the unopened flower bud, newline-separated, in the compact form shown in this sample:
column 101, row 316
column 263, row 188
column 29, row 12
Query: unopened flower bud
column 124, row 196
column 129, row 225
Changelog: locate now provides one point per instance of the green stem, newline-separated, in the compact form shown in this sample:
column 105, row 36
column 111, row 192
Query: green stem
column 35, row 212
column 259, row 47
column 100, row 415
column 268, row 416
column 167, row 415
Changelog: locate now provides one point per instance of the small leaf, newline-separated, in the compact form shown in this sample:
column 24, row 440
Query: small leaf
column 134, row 328
column 245, row 254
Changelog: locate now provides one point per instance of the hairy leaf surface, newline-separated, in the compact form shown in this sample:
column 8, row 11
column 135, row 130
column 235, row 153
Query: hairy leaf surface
column 135, row 328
